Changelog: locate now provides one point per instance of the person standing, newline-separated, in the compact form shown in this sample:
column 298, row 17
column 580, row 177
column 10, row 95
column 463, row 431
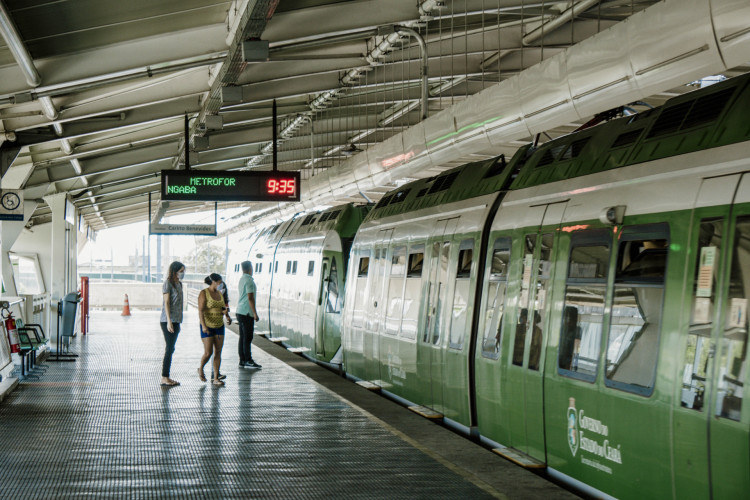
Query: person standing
column 247, row 315
column 171, row 317
column 211, row 311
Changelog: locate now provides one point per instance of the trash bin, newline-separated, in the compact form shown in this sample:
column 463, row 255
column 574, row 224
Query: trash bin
column 69, row 308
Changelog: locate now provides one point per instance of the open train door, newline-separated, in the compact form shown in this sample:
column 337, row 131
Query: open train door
column 711, row 440
column 329, row 307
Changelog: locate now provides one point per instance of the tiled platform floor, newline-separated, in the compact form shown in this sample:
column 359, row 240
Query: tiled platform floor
column 103, row 428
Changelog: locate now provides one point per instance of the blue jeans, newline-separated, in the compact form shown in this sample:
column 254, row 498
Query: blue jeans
column 171, row 340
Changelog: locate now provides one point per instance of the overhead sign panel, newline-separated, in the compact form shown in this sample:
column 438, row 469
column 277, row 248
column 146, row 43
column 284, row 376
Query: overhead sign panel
column 197, row 229
column 202, row 185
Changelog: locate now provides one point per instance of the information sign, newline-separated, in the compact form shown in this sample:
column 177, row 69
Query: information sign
column 204, row 185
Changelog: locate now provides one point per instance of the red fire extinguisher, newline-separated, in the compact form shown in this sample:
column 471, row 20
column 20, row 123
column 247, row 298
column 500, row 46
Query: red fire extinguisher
column 10, row 327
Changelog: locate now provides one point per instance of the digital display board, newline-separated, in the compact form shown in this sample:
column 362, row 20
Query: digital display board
column 204, row 185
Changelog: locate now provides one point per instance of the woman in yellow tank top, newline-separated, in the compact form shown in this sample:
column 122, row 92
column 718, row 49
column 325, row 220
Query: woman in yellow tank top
column 211, row 310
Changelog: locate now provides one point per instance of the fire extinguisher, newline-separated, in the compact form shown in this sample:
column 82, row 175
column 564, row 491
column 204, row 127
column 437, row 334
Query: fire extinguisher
column 10, row 327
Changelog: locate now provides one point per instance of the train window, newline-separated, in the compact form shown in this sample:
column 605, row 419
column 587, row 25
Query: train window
column 583, row 309
column 519, row 341
column 697, row 353
column 294, row 267
column 540, row 295
column 412, row 290
column 465, row 255
column 732, row 355
column 332, row 297
column 276, row 267
column 633, row 341
column 416, row 261
column 398, row 261
column 364, row 266
column 260, row 267
column 310, row 267
column 495, row 303
column 270, row 267
column 288, row 266
column 461, row 294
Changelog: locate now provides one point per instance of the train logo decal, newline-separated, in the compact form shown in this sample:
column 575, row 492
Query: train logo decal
column 572, row 427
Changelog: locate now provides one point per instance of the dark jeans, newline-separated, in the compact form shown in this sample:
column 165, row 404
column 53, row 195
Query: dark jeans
column 247, row 327
column 171, row 340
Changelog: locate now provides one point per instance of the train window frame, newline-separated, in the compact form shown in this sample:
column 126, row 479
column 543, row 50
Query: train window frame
column 288, row 267
column 464, row 267
column 622, row 281
column 398, row 261
column 276, row 267
column 310, row 267
column 294, row 267
column 363, row 270
column 588, row 238
column 502, row 244
column 415, row 261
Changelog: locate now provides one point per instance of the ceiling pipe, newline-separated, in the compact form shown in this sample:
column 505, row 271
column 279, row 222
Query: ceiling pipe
column 423, row 68
column 554, row 23
column 17, row 48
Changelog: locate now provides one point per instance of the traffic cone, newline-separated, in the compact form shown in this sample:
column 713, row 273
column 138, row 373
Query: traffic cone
column 126, row 307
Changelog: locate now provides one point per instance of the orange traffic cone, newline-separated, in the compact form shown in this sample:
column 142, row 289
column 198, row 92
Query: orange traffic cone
column 126, row 307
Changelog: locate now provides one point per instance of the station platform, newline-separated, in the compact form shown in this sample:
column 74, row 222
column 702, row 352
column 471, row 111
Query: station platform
column 103, row 427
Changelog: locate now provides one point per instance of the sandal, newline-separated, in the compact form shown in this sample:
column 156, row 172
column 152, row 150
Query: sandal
column 218, row 382
column 201, row 375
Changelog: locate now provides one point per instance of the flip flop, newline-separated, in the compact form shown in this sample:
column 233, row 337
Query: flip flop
column 201, row 375
column 170, row 384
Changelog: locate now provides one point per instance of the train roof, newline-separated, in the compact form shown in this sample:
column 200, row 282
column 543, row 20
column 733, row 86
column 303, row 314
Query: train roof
column 703, row 119
column 344, row 219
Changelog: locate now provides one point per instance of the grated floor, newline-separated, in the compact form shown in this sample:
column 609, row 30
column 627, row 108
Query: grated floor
column 103, row 428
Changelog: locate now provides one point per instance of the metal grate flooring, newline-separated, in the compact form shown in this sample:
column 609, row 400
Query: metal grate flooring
column 103, row 428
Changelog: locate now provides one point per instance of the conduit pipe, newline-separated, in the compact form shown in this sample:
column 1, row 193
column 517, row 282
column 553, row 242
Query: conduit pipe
column 423, row 69
column 17, row 48
column 666, row 45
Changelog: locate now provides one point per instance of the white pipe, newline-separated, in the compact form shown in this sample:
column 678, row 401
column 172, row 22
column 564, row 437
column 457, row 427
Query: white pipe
column 423, row 68
column 17, row 48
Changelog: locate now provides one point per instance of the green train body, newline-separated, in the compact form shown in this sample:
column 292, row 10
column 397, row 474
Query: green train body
column 581, row 308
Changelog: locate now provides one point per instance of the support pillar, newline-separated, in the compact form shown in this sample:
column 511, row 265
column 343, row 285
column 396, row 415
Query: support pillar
column 64, row 243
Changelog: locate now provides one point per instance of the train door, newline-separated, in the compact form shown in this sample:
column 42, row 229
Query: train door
column 320, row 310
column 711, row 460
column 430, row 344
column 531, row 334
column 375, row 307
column 329, row 305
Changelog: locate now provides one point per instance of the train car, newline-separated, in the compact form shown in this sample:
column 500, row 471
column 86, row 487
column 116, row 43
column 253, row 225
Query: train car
column 300, row 273
column 583, row 309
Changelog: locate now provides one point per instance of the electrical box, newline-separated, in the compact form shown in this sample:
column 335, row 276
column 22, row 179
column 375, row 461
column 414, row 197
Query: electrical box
column 255, row 50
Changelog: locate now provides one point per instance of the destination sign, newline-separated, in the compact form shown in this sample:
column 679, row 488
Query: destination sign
column 203, row 185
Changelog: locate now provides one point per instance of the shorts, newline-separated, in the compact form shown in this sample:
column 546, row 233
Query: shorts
column 212, row 332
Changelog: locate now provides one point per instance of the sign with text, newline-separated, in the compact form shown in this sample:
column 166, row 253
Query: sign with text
column 197, row 229
column 11, row 204
column 203, row 185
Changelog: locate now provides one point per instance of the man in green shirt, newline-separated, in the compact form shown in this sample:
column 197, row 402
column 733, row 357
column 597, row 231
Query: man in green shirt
column 247, row 315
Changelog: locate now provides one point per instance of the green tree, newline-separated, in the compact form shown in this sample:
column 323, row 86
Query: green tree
column 208, row 259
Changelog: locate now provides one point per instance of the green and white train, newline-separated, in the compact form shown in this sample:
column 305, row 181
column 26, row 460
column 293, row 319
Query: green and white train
column 581, row 308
